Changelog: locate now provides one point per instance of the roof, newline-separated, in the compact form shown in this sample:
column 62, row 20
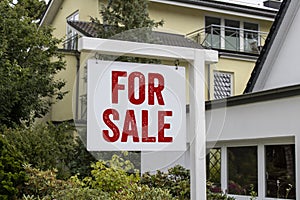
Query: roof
column 54, row 5
column 265, row 95
column 268, row 45
column 237, row 7
column 89, row 29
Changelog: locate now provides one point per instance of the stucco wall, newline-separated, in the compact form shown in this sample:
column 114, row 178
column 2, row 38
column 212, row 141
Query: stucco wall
column 63, row 109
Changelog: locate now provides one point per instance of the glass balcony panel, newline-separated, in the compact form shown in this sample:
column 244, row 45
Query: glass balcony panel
column 232, row 40
column 213, row 41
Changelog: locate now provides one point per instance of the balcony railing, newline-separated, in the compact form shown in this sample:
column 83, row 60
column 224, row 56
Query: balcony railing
column 71, row 43
column 229, row 38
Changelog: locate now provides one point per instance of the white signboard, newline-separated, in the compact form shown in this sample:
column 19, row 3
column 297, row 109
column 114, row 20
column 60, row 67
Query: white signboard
column 137, row 107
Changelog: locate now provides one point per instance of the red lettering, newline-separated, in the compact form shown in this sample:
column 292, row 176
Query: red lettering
column 162, row 126
column 111, row 125
column 115, row 87
column 131, row 88
column 146, row 138
column 155, row 89
column 130, row 128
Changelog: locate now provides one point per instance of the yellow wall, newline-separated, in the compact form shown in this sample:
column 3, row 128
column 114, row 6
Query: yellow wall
column 62, row 110
column 177, row 20
column 68, row 7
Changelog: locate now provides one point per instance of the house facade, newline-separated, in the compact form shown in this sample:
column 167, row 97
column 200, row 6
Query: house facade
column 237, row 31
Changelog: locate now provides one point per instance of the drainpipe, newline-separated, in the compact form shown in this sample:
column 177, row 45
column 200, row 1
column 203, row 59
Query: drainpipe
column 77, row 55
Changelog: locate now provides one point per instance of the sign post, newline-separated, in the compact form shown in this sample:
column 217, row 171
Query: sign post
column 197, row 59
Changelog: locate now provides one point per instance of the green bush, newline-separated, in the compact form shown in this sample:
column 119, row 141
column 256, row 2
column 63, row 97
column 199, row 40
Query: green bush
column 176, row 180
column 113, row 175
column 48, row 146
column 79, row 194
column 12, row 175
column 43, row 183
column 143, row 192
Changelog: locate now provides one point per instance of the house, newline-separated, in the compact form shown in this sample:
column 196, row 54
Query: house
column 259, row 136
column 252, row 139
column 237, row 31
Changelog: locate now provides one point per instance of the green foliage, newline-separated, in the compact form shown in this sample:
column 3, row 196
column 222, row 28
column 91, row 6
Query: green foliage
column 115, row 179
column 218, row 196
column 253, row 193
column 43, row 183
column 120, row 16
column 143, row 192
column 29, row 61
column 176, row 180
column 111, row 176
column 44, row 146
column 79, row 194
column 81, row 159
column 12, row 175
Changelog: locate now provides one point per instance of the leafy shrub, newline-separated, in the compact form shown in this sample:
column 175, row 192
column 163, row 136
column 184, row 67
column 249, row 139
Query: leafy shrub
column 176, row 180
column 43, row 183
column 113, row 175
column 79, row 194
column 48, row 146
column 143, row 192
column 12, row 175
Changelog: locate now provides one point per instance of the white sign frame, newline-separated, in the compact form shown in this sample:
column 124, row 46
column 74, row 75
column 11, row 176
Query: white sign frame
column 197, row 58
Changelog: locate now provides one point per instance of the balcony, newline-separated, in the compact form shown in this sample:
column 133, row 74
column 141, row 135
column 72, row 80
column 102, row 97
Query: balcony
column 71, row 43
column 229, row 39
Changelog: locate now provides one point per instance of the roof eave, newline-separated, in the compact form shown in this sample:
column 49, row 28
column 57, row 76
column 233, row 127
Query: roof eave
column 225, row 7
column 265, row 95
column 267, row 47
column 51, row 11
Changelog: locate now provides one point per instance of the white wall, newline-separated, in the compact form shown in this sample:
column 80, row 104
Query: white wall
column 281, row 67
column 263, row 120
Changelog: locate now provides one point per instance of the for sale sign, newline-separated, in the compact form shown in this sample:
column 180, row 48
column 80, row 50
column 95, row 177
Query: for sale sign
column 137, row 107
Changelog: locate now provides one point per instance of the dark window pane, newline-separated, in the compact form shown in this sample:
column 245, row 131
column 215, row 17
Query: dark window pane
column 242, row 170
column 251, row 37
column 232, row 35
column 213, row 31
column 213, row 167
column 280, row 171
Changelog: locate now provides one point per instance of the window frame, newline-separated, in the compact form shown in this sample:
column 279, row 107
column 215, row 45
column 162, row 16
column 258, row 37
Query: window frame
column 70, row 32
column 261, row 164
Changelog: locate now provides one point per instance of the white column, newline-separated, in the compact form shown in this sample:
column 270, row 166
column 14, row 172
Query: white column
column 197, row 127
column 224, row 176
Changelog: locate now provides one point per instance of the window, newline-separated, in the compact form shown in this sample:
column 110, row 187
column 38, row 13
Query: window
column 71, row 42
column 232, row 35
column 280, row 171
column 222, row 84
column 242, row 170
column 213, row 167
column 251, row 41
column 213, row 32
column 267, row 167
